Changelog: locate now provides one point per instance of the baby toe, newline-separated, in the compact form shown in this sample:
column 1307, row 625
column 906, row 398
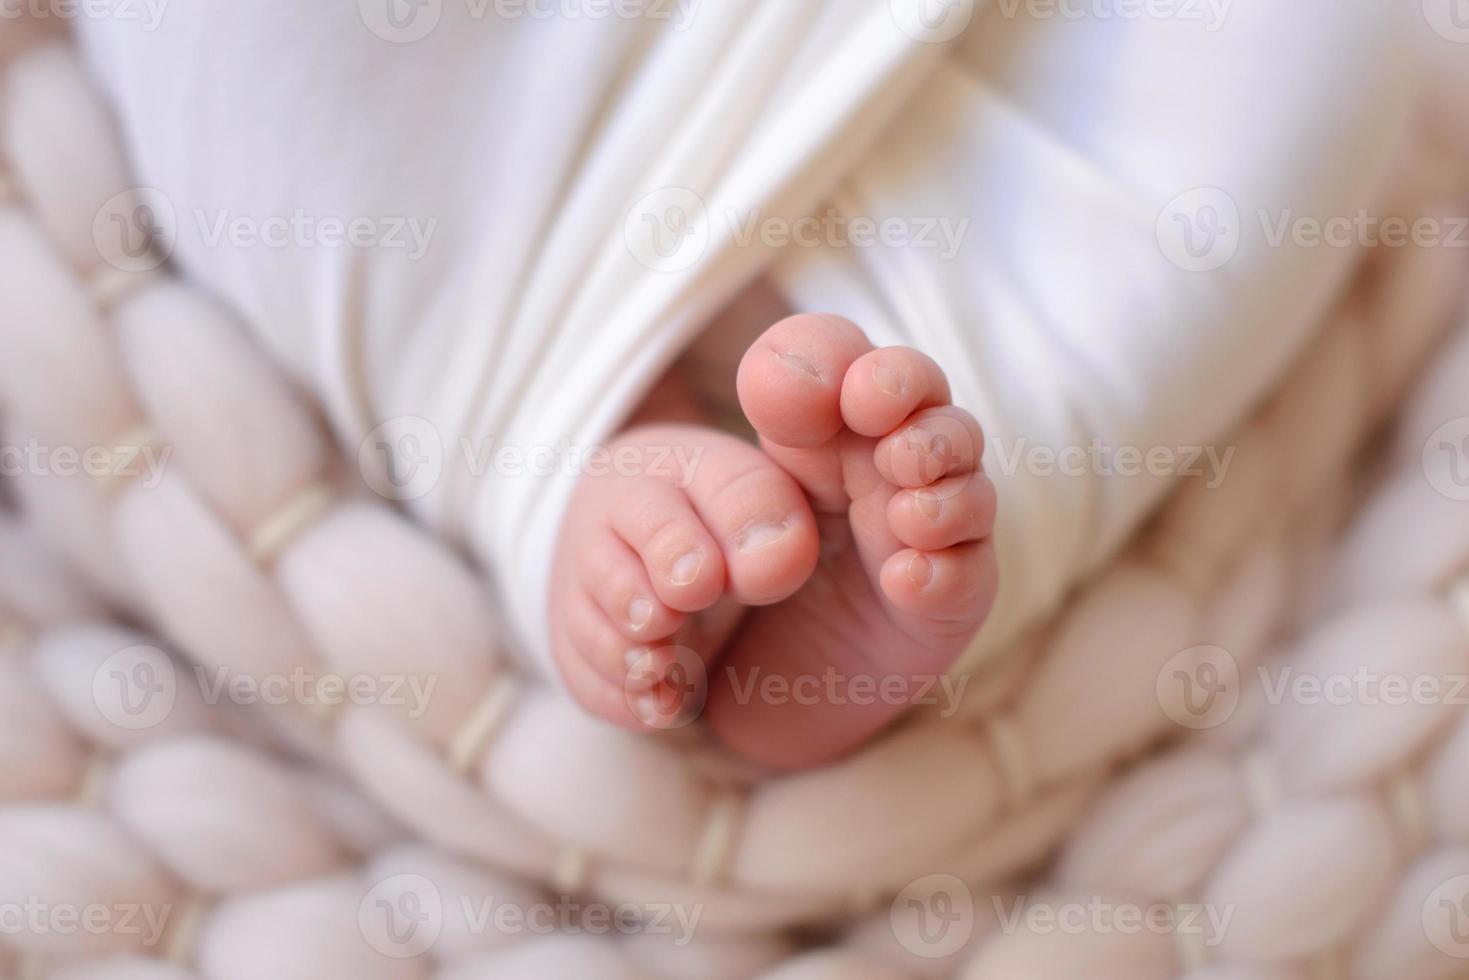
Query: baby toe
column 616, row 579
column 951, row 590
column 949, row 512
column 761, row 520
column 930, row 445
column 790, row 379
column 600, row 646
column 883, row 388
column 682, row 560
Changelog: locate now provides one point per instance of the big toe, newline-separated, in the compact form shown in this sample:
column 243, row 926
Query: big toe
column 790, row 381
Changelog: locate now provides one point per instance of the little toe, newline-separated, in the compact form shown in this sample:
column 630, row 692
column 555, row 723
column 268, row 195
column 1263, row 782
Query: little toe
column 954, row 510
column 610, row 700
column 683, row 561
column 883, row 387
column 616, row 579
column 951, row 590
column 762, row 521
column 601, row 647
column 931, row 444
column 790, row 379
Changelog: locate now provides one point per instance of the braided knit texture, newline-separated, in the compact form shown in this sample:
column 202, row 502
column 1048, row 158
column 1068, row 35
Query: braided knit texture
column 1142, row 734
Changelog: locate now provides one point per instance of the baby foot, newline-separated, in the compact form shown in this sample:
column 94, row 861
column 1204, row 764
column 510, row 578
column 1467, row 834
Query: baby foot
column 691, row 520
column 907, row 572
column 863, row 464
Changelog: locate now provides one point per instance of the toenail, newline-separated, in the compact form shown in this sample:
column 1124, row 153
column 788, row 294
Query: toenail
column 920, row 571
column 640, row 673
column 919, row 440
column 686, row 569
column 646, row 708
column 799, row 363
column 758, row 536
column 930, row 503
column 888, row 379
column 639, row 613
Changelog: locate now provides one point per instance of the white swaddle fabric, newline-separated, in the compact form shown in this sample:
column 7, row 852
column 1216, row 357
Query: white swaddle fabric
column 560, row 201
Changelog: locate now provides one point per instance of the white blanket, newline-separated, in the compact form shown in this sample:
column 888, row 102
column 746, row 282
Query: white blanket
column 547, row 208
